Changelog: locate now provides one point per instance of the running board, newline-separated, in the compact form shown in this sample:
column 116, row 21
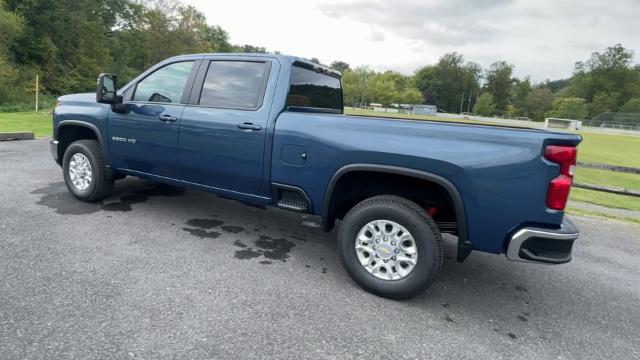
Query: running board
column 293, row 205
column 291, row 198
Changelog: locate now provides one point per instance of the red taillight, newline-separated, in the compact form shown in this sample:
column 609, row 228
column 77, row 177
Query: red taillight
column 559, row 188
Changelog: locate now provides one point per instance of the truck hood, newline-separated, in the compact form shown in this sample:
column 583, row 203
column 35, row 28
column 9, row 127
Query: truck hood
column 82, row 97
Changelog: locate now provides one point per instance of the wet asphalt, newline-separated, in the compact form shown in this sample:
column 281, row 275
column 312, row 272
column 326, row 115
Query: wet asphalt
column 160, row 272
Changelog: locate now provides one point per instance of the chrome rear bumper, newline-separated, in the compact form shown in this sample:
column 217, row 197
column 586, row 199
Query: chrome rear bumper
column 540, row 245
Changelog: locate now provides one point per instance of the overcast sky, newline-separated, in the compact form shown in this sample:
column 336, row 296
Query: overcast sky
column 542, row 38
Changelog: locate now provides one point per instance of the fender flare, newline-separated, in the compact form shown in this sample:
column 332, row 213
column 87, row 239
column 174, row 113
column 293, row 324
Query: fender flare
column 464, row 245
column 87, row 125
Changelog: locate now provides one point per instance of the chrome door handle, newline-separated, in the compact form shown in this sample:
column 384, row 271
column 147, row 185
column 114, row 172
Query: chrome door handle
column 167, row 118
column 249, row 126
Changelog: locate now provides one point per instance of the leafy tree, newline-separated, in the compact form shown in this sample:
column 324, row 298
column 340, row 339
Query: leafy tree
column 537, row 103
column 357, row 86
column 219, row 39
column 631, row 106
column 10, row 27
column 608, row 72
column 569, row 108
column 485, row 105
column 499, row 83
column 315, row 60
column 557, row 85
column 521, row 89
column 448, row 82
column 340, row 66
column 250, row 49
column 603, row 102
column 384, row 91
column 410, row 95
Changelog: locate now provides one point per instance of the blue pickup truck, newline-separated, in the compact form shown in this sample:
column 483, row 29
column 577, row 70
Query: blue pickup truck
column 269, row 130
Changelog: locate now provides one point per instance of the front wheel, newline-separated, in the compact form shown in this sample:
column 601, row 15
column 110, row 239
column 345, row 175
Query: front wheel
column 391, row 247
column 85, row 171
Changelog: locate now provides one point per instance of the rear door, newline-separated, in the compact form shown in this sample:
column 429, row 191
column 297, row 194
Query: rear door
column 223, row 130
column 144, row 137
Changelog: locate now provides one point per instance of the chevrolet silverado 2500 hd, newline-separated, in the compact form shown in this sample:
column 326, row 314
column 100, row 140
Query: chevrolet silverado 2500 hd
column 269, row 130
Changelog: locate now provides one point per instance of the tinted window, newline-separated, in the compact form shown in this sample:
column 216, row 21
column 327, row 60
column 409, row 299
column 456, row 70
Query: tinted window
column 233, row 84
column 165, row 84
column 311, row 89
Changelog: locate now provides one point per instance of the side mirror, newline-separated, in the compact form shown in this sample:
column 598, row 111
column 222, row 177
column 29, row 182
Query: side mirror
column 106, row 91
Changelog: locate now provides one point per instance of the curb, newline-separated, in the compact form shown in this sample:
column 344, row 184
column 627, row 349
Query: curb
column 8, row 136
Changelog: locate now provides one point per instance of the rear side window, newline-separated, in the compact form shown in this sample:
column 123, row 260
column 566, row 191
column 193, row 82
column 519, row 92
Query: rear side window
column 165, row 85
column 234, row 85
column 314, row 90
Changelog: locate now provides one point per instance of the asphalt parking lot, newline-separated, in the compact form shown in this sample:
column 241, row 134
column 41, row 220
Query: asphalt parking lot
column 159, row 272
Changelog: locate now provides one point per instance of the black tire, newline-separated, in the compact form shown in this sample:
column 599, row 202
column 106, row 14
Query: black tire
column 101, row 177
column 421, row 226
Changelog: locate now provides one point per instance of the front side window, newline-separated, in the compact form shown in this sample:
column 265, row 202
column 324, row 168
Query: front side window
column 165, row 85
column 311, row 89
column 234, row 85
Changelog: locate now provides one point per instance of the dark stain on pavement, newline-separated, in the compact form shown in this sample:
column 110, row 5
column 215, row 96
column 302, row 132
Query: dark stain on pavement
column 201, row 233
column 522, row 318
column 125, row 203
column 512, row 336
column 56, row 196
column 239, row 243
column 275, row 249
column 271, row 249
column 204, row 223
column 449, row 319
column 247, row 253
column 232, row 229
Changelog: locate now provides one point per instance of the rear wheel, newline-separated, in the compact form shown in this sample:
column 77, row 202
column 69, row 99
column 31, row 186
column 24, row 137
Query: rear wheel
column 390, row 246
column 85, row 171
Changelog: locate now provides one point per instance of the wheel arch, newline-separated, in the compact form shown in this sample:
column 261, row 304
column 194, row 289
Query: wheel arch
column 328, row 219
column 69, row 131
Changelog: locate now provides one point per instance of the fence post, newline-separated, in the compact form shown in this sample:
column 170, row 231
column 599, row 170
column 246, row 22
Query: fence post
column 37, row 90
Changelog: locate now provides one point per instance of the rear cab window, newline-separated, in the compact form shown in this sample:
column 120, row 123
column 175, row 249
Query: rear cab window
column 234, row 84
column 314, row 89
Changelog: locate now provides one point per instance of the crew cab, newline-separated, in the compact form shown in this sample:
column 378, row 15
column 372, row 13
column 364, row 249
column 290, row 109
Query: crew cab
column 269, row 130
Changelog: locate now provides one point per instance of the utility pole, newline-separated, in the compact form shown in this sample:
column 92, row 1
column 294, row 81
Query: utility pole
column 469, row 103
column 37, row 90
column 461, row 102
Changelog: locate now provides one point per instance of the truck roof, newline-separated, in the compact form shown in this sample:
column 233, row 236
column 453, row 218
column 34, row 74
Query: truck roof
column 284, row 58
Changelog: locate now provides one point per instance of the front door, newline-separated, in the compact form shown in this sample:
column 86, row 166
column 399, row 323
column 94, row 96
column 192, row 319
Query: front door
column 222, row 134
column 144, row 137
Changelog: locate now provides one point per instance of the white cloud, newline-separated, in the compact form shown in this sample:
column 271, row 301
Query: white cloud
column 542, row 38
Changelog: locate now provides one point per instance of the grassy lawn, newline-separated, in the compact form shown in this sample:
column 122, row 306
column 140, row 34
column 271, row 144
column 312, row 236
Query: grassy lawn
column 605, row 199
column 608, row 178
column 38, row 122
column 610, row 149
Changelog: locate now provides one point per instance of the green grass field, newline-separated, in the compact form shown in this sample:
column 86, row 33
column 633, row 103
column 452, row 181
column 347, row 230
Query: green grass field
column 40, row 122
column 598, row 148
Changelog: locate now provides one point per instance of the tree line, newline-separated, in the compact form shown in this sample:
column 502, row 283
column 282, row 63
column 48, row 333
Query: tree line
column 68, row 42
column 607, row 82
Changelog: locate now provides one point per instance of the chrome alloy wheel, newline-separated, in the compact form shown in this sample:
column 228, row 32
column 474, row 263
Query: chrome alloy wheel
column 80, row 171
column 386, row 250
